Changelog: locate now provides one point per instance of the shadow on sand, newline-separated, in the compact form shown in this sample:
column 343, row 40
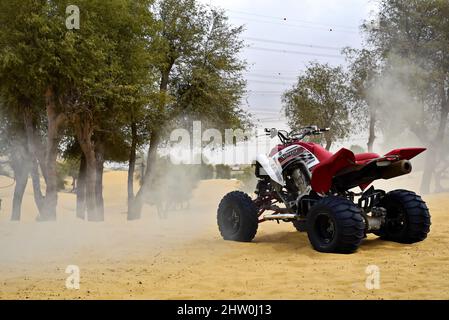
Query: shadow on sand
column 299, row 240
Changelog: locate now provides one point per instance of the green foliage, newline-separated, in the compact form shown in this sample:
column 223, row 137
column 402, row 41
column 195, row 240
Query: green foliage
column 69, row 168
column 321, row 97
column 411, row 41
column 364, row 72
column 211, row 87
column 134, row 64
column 201, row 67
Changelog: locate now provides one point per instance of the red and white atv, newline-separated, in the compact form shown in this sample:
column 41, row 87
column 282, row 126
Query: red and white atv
column 313, row 187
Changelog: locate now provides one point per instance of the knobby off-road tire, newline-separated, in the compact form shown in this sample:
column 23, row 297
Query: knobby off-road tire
column 408, row 218
column 237, row 217
column 300, row 225
column 335, row 225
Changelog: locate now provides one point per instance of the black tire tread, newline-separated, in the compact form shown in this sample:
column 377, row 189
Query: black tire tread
column 349, row 220
column 249, row 216
column 419, row 219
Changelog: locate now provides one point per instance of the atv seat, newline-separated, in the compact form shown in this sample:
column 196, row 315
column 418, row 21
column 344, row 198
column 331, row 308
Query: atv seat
column 322, row 154
column 362, row 158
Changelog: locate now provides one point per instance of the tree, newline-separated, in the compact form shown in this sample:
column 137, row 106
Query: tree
column 364, row 72
column 412, row 38
column 83, row 79
column 112, row 86
column 111, row 77
column 200, row 76
column 13, row 146
column 32, row 77
column 321, row 97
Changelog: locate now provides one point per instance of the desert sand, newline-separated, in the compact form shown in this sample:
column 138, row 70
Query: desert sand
column 184, row 257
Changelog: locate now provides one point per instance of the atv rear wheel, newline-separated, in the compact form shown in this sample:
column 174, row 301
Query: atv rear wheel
column 237, row 217
column 335, row 224
column 408, row 218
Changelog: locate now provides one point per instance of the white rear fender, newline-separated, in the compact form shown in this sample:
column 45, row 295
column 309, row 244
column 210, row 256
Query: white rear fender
column 272, row 168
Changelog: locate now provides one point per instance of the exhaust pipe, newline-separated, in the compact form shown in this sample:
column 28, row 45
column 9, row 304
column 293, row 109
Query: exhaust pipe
column 373, row 171
column 396, row 169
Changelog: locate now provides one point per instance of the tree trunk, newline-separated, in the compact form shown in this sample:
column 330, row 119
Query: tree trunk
column 84, row 130
column 135, row 208
column 37, row 191
column 135, row 211
column 428, row 173
column 21, row 173
column 37, row 158
column 328, row 144
column 434, row 151
column 35, row 146
column 372, row 129
column 99, row 157
column 439, row 175
column 20, row 163
column 91, row 185
column 132, row 164
column 81, row 190
column 51, row 191
column 54, row 122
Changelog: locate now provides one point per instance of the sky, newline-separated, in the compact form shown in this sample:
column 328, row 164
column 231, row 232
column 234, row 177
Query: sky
column 283, row 37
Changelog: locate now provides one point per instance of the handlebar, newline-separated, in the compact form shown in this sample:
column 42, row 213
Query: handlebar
column 286, row 137
column 323, row 130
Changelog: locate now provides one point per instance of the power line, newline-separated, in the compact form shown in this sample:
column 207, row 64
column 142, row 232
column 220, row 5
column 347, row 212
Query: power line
column 295, row 25
column 294, row 20
column 264, row 111
column 270, row 82
column 304, row 45
column 271, row 120
column 270, row 114
column 296, row 52
column 279, row 72
column 266, row 92
column 259, row 75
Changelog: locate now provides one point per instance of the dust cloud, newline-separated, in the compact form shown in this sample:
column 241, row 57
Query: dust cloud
column 399, row 111
column 174, row 214
column 408, row 115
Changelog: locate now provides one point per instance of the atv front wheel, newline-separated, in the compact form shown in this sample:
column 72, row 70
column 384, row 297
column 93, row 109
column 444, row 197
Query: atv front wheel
column 335, row 224
column 408, row 218
column 300, row 225
column 237, row 217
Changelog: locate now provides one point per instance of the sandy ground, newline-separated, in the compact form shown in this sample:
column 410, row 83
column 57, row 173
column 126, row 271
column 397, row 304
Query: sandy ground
column 183, row 257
